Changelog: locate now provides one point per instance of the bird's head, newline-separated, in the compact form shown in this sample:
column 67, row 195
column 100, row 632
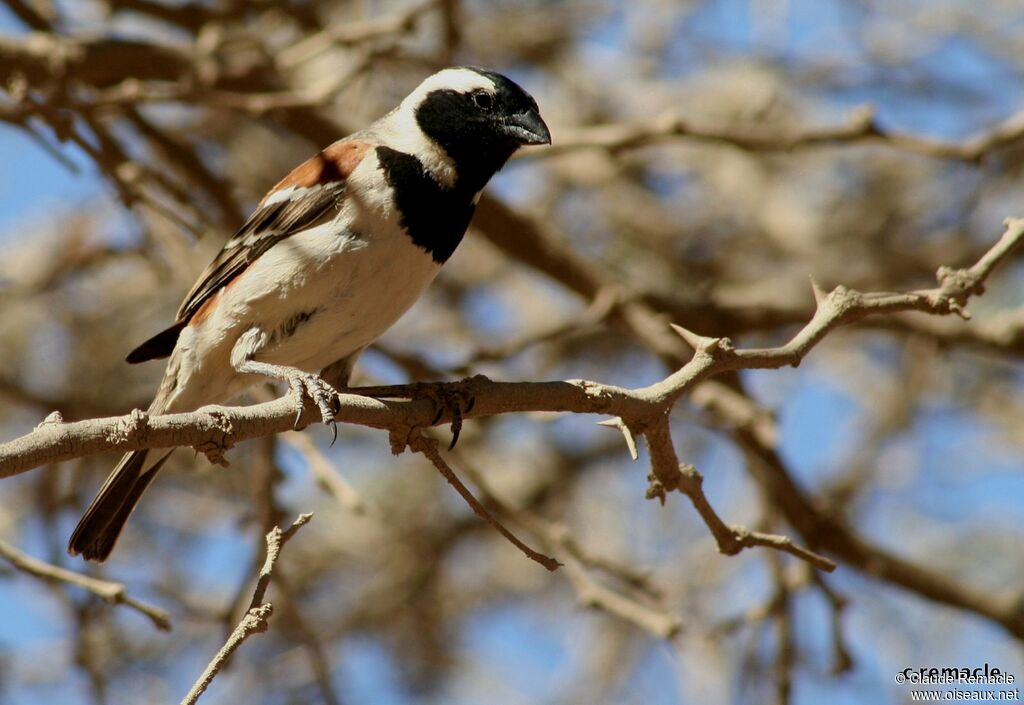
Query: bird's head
column 479, row 118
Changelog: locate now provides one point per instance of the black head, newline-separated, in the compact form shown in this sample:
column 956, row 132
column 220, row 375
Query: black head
column 480, row 118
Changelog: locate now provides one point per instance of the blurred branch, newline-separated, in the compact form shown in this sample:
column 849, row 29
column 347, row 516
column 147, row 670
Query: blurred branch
column 192, row 168
column 1002, row 333
column 307, row 632
column 332, row 481
column 535, row 242
column 843, row 659
column 591, row 593
column 350, row 33
column 824, row 530
column 590, row 320
column 38, row 16
column 257, row 102
column 101, row 61
column 861, row 128
column 191, row 16
column 114, row 593
column 125, row 175
column 785, row 618
column 256, row 618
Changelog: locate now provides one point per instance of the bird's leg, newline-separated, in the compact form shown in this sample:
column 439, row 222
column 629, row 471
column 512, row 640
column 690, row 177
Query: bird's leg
column 299, row 382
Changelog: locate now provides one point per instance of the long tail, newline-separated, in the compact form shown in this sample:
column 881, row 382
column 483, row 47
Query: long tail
column 100, row 526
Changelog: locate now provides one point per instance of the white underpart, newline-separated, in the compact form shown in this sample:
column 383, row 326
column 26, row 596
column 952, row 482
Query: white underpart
column 399, row 130
column 357, row 275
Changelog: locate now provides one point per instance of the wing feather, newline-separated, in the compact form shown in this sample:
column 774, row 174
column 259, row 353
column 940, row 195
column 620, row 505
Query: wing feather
column 307, row 197
column 269, row 225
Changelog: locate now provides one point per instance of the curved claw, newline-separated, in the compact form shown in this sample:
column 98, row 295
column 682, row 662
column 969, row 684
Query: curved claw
column 456, row 424
column 303, row 385
column 456, row 430
column 445, row 400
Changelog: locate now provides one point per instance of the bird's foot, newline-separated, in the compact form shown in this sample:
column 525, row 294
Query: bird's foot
column 306, row 384
column 449, row 400
column 452, row 398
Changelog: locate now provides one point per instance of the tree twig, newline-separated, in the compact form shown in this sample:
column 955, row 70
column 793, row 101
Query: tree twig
column 668, row 473
column 428, row 447
column 256, row 618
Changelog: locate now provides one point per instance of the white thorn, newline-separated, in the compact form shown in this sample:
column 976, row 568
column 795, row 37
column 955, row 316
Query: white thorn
column 618, row 423
column 819, row 293
column 695, row 341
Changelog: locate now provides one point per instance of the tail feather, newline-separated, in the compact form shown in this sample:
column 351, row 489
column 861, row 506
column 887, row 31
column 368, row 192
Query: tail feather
column 101, row 525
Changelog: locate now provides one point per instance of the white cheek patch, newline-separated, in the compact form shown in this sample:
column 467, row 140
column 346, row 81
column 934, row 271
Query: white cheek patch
column 399, row 131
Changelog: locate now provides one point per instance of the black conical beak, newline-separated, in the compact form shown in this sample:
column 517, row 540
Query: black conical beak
column 527, row 128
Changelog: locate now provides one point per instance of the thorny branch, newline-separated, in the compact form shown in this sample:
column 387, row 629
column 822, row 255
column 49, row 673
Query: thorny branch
column 644, row 410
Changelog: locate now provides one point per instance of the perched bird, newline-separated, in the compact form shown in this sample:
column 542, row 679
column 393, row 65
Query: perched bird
column 333, row 255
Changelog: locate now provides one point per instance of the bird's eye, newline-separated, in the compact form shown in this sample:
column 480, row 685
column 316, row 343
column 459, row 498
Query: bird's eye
column 483, row 100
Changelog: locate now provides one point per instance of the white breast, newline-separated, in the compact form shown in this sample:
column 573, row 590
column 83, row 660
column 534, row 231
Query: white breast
column 322, row 294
